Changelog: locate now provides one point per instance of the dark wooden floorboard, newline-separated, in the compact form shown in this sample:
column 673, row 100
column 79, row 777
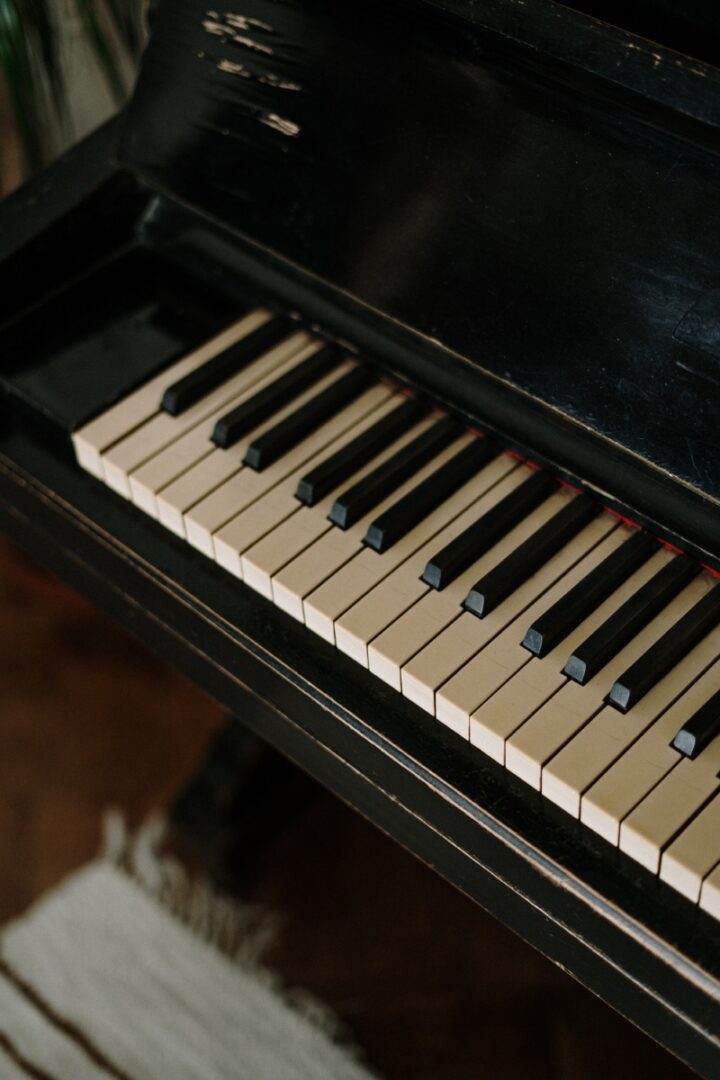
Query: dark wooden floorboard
column 432, row 987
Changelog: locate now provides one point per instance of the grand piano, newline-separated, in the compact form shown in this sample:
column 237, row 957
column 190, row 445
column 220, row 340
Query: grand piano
column 367, row 368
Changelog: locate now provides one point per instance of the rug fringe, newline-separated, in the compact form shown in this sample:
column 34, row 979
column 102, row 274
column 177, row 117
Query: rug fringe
column 240, row 931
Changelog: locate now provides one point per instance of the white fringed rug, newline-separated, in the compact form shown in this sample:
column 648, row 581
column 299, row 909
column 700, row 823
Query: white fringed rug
column 127, row 971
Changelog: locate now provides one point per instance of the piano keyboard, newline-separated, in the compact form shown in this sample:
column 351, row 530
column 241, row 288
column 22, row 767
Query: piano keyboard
column 575, row 650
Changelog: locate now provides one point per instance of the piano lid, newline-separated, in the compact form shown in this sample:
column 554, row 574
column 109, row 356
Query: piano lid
column 522, row 184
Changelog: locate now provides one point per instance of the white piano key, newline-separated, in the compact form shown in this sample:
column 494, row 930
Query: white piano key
column 162, row 429
column 445, row 672
column 559, row 719
column 437, row 609
column 257, row 556
column 195, row 444
column 199, row 481
column 220, row 475
column 264, row 558
column 426, row 676
column 366, row 569
column 91, row 440
column 532, row 682
column 654, row 822
column 387, row 601
column 696, row 851
column 617, row 758
column 297, row 579
column 207, row 505
column 493, row 659
column 258, row 541
column 710, row 893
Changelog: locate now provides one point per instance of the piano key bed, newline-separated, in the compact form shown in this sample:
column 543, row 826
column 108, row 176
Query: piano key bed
column 575, row 650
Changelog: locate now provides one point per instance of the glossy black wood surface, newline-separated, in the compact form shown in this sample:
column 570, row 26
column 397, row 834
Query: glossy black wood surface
column 539, row 219
column 509, row 204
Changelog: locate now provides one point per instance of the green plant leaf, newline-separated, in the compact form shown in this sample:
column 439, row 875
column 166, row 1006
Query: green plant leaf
column 17, row 68
column 88, row 11
column 128, row 18
column 31, row 62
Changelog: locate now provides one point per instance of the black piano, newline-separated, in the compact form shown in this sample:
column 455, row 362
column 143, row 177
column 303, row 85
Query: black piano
column 367, row 368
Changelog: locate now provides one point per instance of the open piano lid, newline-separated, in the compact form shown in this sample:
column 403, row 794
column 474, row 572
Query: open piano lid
column 520, row 184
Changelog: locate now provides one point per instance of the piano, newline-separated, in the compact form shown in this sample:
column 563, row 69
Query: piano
column 367, row 367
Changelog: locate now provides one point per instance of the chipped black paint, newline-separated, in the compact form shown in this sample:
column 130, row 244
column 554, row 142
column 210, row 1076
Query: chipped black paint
column 540, row 221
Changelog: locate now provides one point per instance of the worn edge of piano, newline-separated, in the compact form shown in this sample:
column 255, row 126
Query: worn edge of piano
column 614, row 926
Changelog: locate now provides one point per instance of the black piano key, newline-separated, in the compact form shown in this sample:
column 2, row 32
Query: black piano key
column 285, row 435
column 700, row 729
column 203, row 380
column 359, row 499
column 484, row 533
column 667, row 651
column 271, row 398
column 606, row 642
column 346, row 461
column 412, row 508
column 550, row 628
column 525, row 560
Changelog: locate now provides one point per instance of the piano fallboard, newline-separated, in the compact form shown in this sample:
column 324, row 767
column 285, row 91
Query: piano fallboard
column 522, row 197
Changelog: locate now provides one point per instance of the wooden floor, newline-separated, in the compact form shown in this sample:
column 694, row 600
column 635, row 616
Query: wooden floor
column 432, row 988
